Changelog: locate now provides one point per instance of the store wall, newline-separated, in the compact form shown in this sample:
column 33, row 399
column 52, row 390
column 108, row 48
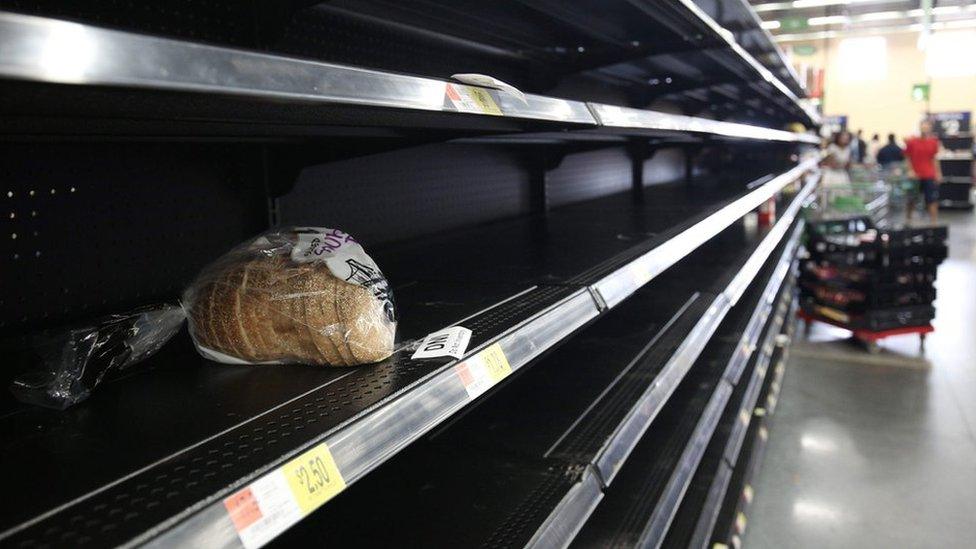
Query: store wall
column 878, row 99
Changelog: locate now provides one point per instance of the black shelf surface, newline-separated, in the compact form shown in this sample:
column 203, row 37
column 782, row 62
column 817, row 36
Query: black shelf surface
column 549, row 425
column 695, row 518
column 642, row 500
column 575, row 244
column 141, row 456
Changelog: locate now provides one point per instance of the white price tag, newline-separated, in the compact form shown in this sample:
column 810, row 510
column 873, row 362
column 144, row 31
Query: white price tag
column 273, row 503
column 482, row 371
column 447, row 342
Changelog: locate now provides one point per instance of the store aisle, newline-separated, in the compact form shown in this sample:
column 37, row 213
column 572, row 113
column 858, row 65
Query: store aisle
column 878, row 451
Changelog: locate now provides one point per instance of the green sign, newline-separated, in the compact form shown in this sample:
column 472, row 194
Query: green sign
column 920, row 92
column 793, row 24
column 804, row 49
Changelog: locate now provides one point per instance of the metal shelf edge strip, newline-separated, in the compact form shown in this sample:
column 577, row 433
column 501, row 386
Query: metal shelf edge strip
column 626, row 436
column 750, row 336
column 719, row 486
column 749, row 402
column 629, row 432
column 664, row 511
column 612, row 116
column 55, row 51
column 364, row 444
column 710, row 510
column 739, row 284
column 618, row 285
column 569, row 516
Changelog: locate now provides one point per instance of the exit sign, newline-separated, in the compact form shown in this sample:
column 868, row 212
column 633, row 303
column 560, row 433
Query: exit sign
column 920, row 92
column 804, row 49
column 794, row 23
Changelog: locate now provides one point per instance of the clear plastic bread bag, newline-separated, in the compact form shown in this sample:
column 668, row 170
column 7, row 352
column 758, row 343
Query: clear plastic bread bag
column 306, row 295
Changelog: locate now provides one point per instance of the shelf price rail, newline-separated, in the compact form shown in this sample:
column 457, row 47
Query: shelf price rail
column 697, row 516
column 563, row 523
column 639, row 508
column 52, row 51
column 514, row 482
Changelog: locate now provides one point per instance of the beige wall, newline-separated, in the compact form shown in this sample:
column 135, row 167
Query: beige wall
column 885, row 105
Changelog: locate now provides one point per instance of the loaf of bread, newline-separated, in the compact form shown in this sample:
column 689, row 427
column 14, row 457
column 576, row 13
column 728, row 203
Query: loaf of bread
column 268, row 308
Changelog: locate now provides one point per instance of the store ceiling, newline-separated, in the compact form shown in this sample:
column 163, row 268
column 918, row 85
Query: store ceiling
column 796, row 20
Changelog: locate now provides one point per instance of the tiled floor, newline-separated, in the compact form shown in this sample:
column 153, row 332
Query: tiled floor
column 878, row 451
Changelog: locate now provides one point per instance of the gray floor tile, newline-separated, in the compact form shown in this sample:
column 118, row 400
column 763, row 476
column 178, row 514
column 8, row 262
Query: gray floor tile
column 878, row 452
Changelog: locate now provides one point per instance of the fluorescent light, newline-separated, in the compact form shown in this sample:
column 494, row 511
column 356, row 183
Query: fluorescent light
column 820, row 3
column 881, row 16
column 802, row 4
column 916, row 27
column 770, row 25
column 828, row 20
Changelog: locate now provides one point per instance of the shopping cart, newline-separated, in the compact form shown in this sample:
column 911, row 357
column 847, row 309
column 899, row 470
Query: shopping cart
column 901, row 190
column 868, row 194
column 862, row 274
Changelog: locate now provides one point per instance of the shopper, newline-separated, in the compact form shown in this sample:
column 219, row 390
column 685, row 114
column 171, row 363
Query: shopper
column 924, row 168
column 890, row 156
column 873, row 147
column 837, row 161
column 860, row 148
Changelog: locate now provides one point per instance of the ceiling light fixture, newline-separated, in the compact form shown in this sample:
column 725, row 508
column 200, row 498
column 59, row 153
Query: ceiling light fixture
column 916, row 27
column 804, row 4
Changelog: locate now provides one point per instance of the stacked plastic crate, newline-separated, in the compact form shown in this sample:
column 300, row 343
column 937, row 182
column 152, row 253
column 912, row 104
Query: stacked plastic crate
column 868, row 279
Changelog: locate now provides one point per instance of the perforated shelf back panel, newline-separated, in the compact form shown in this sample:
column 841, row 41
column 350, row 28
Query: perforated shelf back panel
column 91, row 229
column 404, row 194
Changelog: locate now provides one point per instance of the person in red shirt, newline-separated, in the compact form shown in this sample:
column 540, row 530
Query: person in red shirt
column 920, row 152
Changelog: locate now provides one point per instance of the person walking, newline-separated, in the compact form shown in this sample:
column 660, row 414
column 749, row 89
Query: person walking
column 873, row 147
column 921, row 152
column 890, row 155
column 837, row 161
column 860, row 148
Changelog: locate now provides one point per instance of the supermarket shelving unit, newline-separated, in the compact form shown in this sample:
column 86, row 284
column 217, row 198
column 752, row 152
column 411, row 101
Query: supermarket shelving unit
column 957, row 171
column 141, row 144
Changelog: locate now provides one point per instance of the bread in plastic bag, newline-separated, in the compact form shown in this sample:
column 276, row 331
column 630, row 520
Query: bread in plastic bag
column 305, row 295
column 292, row 295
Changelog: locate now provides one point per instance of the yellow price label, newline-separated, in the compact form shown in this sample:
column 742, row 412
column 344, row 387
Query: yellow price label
column 484, row 100
column 472, row 99
column 313, row 478
column 496, row 364
column 740, row 522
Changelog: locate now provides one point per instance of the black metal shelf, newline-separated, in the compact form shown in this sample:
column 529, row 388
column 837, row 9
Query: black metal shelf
column 75, row 79
column 639, row 507
column 729, row 513
column 738, row 17
column 165, row 476
column 731, row 521
column 551, row 424
column 695, row 519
